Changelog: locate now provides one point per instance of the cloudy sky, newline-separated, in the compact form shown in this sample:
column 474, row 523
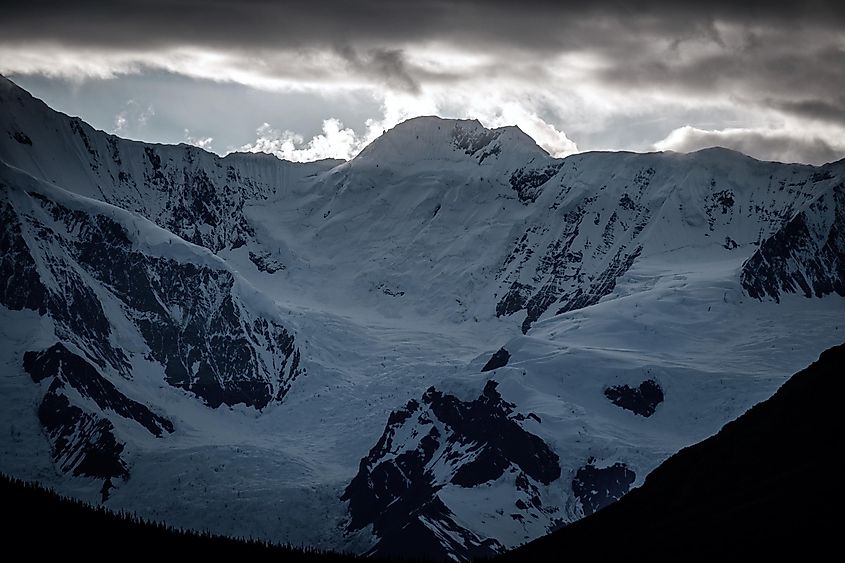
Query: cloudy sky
column 315, row 79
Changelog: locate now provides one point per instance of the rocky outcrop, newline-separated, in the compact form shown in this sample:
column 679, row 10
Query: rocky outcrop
column 60, row 363
column 438, row 442
column 806, row 256
column 83, row 440
column 641, row 400
column 190, row 315
column 265, row 262
column 497, row 360
column 82, row 443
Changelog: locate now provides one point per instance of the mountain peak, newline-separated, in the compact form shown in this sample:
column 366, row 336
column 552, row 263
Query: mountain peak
column 718, row 151
column 435, row 138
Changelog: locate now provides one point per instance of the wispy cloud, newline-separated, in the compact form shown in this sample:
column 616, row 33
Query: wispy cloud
column 767, row 144
column 204, row 143
column 133, row 116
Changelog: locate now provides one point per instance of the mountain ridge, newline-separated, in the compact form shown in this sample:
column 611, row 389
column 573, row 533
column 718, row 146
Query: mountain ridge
column 7, row 82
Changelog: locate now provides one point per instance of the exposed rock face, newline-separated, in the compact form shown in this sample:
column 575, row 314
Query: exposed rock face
column 527, row 183
column 83, row 440
column 573, row 261
column 439, row 442
column 189, row 315
column 641, row 400
column 806, row 256
column 72, row 304
column 82, row 443
column 497, row 360
column 22, row 288
column 60, row 363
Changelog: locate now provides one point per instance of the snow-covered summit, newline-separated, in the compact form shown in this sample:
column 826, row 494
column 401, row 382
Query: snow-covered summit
column 430, row 138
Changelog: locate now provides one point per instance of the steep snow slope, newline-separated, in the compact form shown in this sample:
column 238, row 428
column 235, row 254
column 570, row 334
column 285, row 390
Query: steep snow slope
column 631, row 294
column 129, row 307
column 451, row 240
column 192, row 193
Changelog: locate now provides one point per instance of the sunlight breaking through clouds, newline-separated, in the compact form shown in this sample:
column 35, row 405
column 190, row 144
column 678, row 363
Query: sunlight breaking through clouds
column 336, row 141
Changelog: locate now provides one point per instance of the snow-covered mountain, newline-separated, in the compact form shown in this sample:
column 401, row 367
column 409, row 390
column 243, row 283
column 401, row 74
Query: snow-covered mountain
column 124, row 299
column 220, row 341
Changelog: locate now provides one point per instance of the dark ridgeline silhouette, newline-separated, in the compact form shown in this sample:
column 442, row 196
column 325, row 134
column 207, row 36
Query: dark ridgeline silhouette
column 42, row 523
column 767, row 483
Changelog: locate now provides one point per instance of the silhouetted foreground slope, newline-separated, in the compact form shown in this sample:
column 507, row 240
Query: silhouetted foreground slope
column 767, row 482
column 41, row 523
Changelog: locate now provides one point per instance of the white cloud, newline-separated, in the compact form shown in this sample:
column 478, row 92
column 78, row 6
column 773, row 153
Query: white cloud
column 145, row 114
column 518, row 92
column 71, row 63
column 495, row 93
column 133, row 115
column 201, row 142
column 781, row 144
column 119, row 123
column 336, row 141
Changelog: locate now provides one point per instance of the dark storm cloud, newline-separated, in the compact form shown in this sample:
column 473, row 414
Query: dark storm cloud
column 266, row 22
column 794, row 71
column 386, row 65
column 832, row 110
column 533, row 25
column 635, row 38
